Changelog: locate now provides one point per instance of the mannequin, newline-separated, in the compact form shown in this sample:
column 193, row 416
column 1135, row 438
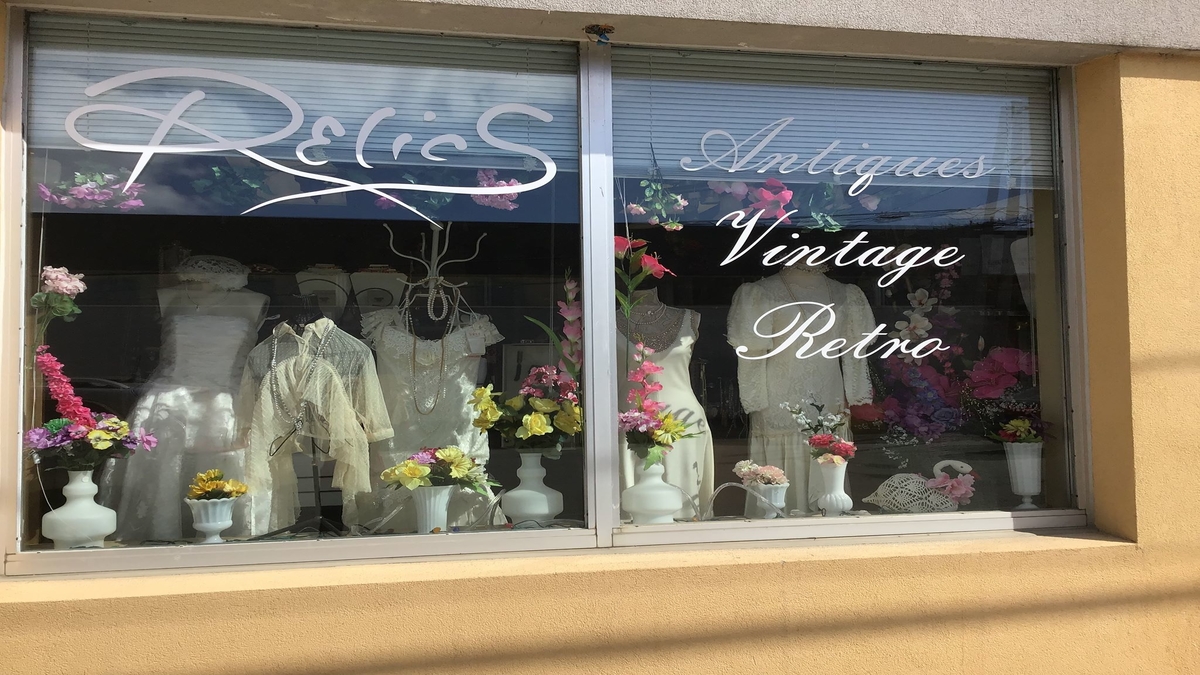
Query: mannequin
column 331, row 284
column 378, row 287
column 765, row 384
column 209, row 324
column 671, row 332
column 316, row 382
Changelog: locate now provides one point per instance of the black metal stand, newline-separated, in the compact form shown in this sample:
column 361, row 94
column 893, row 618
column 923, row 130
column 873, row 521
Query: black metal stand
column 318, row 523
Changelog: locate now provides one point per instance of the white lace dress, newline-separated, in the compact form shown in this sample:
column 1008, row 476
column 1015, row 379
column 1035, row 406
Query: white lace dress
column 765, row 383
column 427, row 385
column 689, row 465
column 188, row 404
column 333, row 375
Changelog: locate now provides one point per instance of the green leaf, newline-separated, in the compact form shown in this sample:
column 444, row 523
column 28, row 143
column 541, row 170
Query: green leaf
column 653, row 456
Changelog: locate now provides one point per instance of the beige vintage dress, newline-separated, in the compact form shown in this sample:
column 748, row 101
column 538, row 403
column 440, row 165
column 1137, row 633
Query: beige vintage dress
column 766, row 383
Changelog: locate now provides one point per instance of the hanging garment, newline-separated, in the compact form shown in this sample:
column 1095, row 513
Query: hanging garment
column 322, row 385
column 188, row 404
column 689, row 465
column 427, row 385
column 764, row 384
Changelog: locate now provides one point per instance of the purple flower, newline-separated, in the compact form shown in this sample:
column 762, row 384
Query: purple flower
column 38, row 438
column 425, row 456
column 947, row 416
column 130, row 204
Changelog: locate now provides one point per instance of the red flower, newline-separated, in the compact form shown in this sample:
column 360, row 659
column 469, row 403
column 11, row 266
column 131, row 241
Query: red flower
column 821, row 440
column 651, row 264
column 773, row 198
column 623, row 245
column 843, row 449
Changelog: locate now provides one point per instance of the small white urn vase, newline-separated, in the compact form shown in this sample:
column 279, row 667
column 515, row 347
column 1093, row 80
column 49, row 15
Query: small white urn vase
column 531, row 500
column 834, row 501
column 211, row 517
column 81, row 522
column 1025, row 472
column 776, row 495
column 651, row 500
column 433, row 507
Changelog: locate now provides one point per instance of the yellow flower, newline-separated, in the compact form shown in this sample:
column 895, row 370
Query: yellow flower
column 235, row 488
column 449, row 453
column 460, row 464
column 543, row 405
column 516, row 403
column 487, row 418
column 199, row 489
column 567, row 420
column 408, row 473
column 534, row 424
column 482, row 397
column 101, row 439
column 671, row 430
column 210, row 475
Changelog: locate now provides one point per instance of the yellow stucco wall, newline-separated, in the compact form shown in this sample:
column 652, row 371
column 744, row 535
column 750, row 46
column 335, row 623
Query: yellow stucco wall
column 1003, row 604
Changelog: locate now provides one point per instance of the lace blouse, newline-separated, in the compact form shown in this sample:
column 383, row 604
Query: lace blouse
column 331, row 377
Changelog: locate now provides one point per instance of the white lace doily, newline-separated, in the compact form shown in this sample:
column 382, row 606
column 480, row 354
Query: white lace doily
column 217, row 270
column 906, row 493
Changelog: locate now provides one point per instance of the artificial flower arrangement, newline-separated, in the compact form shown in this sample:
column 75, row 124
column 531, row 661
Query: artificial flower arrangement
column 1020, row 430
column 826, row 445
column 958, row 490
column 753, row 474
column 212, row 484
column 80, row 440
column 659, row 204
column 94, row 190
column 638, row 264
column 436, row 467
column 651, row 430
column 545, row 414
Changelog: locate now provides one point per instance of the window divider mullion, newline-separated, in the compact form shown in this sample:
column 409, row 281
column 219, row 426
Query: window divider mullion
column 599, row 282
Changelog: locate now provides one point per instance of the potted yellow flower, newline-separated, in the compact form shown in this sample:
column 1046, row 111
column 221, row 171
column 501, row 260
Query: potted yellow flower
column 537, row 422
column 432, row 475
column 211, row 497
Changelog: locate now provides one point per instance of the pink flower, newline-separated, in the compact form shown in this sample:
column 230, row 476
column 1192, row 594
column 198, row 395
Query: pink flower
column 385, row 203
column 958, row 490
column 59, row 280
column 869, row 202
column 425, row 456
column 737, row 188
column 680, row 205
column 651, row 264
column 131, row 204
column 635, row 209
column 821, row 440
column 69, row 405
column 504, row 202
column 773, row 199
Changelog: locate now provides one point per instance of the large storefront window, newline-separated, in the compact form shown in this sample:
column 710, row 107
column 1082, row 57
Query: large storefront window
column 837, row 288
column 333, row 287
column 332, row 284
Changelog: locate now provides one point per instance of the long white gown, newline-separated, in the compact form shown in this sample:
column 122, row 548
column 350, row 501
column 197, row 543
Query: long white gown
column 429, row 407
column 189, row 405
column 766, row 383
column 689, row 465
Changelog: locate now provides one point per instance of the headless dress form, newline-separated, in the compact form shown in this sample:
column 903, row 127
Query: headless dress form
column 766, row 383
column 188, row 404
column 672, row 333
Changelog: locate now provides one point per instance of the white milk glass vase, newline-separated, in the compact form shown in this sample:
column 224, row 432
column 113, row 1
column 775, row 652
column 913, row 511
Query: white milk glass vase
column 1025, row 472
column 531, row 500
column 776, row 495
column 211, row 517
column 834, row 501
column 81, row 522
column 433, row 507
column 651, row 500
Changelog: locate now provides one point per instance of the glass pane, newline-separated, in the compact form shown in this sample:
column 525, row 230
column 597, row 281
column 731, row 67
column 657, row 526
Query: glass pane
column 837, row 288
column 338, row 314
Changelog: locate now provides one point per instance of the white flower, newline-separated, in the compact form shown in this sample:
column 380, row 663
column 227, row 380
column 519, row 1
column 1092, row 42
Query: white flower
column 916, row 327
column 921, row 300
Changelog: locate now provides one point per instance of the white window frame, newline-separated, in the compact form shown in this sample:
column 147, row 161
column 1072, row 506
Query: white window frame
column 604, row 527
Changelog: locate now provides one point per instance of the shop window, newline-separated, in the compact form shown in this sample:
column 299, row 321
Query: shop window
column 332, row 285
column 837, row 288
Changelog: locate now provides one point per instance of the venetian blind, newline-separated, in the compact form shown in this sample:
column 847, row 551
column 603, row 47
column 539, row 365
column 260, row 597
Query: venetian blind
column 664, row 102
column 436, row 86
